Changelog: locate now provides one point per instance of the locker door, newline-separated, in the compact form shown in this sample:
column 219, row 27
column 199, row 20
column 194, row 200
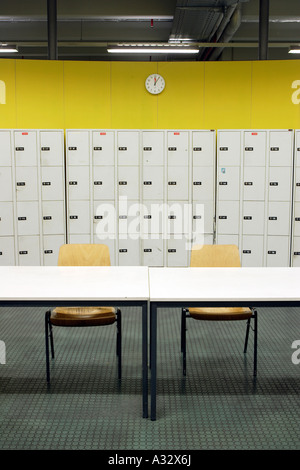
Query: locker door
column 296, row 231
column 25, row 144
column 178, row 253
column 228, row 217
column 153, row 217
column 129, row 182
column 6, row 218
column 297, row 184
column 128, row 148
column 204, row 148
column 203, row 183
column 7, row 251
column 78, row 183
column 79, row 238
column 52, row 148
column 297, row 148
column 130, row 220
column 51, row 246
column 280, row 183
column 5, row 148
column 5, row 183
column 29, row 251
column 153, row 148
column 295, row 252
column 179, row 218
column 153, row 183
column 279, row 218
column 27, row 184
column 203, row 216
column 53, row 183
column 229, row 148
column 253, row 218
column 277, row 252
column 78, row 152
column 103, row 148
column 178, row 148
column 280, row 151
column 53, row 217
column 229, row 183
column 111, row 243
column 129, row 253
column 252, row 251
column 79, row 219
column 254, row 186
column 104, row 182
column 105, row 218
column 227, row 239
column 28, row 218
column 178, row 183
column 153, row 252
column 255, row 148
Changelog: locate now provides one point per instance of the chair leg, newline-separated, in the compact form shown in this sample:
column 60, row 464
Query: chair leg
column 255, row 343
column 47, row 324
column 247, row 335
column 183, row 340
column 119, row 343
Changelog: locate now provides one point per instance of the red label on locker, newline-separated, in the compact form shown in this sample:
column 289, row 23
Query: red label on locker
column 24, row 133
column 176, row 133
column 254, row 133
column 102, row 133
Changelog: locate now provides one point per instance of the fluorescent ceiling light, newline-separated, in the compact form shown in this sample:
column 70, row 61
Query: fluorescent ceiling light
column 294, row 50
column 152, row 50
column 4, row 48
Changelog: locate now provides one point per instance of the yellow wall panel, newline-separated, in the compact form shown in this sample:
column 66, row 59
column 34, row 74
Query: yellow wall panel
column 39, row 94
column 7, row 93
column 180, row 105
column 132, row 106
column 272, row 105
column 227, row 95
column 87, row 95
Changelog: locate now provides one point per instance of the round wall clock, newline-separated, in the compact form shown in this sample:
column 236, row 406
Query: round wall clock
column 155, row 84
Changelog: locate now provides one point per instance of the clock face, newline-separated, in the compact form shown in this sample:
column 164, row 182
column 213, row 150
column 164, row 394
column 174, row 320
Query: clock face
column 155, row 84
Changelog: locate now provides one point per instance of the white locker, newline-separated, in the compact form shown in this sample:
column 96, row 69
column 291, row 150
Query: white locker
column 178, row 252
column 128, row 148
column 79, row 218
column 203, row 183
column 280, row 183
column 129, row 182
column 29, row 251
column 27, row 184
column 153, row 148
column 295, row 258
column 79, row 238
column 178, row 183
column 153, row 183
column 51, row 246
column 153, row 217
column 103, row 182
column 229, row 183
column 229, row 148
column 110, row 241
column 228, row 217
column 297, row 149
column 78, row 183
column 103, row 151
column 130, row 219
column 253, row 218
column 178, row 148
column 6, row 218
column 51, row 148
column 203, row 216
column 278, row 251
column 25, row 148
column 227, row 239
column 28, row 218
column 129, row 252
column 7, row 251
column 77, row 148
column 281, row 148
column 203, row 145
column 255, row 148
column 53, row 220
column 254, row 184
column 6, row 185
column 104, row 218
column 252, row 251
column 179, row 218
column 53, row 184
column 297, row 184
column 153, row 252
column 296, row 222
column 279, row 218
column 5, row 146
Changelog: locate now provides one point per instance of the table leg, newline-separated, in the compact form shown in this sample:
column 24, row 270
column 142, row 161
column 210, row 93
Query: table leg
column 153, row 343
column 145, row 358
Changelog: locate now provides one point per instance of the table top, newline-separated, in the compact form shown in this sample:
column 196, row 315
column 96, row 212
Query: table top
column 42, row 283
column 224, row 284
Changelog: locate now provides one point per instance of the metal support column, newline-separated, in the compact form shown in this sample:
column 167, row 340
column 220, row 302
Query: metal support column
column 263, row 29
column 52, row 29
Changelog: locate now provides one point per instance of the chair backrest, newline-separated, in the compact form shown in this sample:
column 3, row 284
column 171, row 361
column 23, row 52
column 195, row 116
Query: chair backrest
column 215, row 256
column 83, row 255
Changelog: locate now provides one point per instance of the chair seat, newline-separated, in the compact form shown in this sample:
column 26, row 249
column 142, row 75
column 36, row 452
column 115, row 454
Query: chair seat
column 220, row 313
column 83, row 316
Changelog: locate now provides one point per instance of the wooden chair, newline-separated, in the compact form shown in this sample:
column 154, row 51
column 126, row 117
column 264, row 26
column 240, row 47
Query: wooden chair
column 82, row 255
column 218, row 256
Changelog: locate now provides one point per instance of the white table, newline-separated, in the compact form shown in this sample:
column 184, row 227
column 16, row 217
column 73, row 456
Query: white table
column 187, row 287
column 49, row 286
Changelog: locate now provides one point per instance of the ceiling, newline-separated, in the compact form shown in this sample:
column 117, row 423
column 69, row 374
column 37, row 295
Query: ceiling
column 84, row 29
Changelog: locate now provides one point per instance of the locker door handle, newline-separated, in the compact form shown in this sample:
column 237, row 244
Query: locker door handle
column 73, row 183
column 172, row 149
column 122, row 149
column 223, row 183
column 48, row 252
column 223, row 217
column 45, row 149
column 148, row 250
column 20, row 149
column 274, row 149
column 297, row 184
column 197, row 149
column 123, row 217
column 123, row 250
column 271, row 252
column 273, row 183
column 172, row 183
column 46, row 183
column 73, row 217
column 47, row 217
column 72, row 148
column 171, row 250
column 21, row 183
column 97, row 148
column 197, row 216
column 223, row 149
column 1, row 253
column 147, row 149
column 122, row 183
column 248, row 183
column 172, row 217
column 23, row 252
column 297, row 219
column 248, row 217
column 22, row 218
column 272, row 218
column 247, row 252
column 197, row 183
column 98, row 217
column 249, row 149
column 147, row 216
column 98, row 183
column 147, row 183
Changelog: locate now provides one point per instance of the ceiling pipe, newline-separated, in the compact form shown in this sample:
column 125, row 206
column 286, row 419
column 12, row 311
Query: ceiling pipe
column 231, row 28
column 52, row 29
column 263, row 29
